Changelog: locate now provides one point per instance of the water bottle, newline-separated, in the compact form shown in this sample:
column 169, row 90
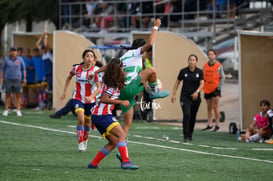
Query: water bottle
column 238, row 135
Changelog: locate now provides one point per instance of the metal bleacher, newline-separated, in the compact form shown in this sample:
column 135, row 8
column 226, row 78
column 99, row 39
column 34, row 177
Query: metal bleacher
column 205, row 27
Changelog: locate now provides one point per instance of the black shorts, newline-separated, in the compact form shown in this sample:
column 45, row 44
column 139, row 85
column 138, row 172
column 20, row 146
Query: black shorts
column 13, row 86
column 216, row 93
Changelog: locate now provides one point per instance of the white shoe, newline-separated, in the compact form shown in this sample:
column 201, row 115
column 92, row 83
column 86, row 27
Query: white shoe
column 85, row 143
column 6, row 113
column 19, row 114
column 81, row 147
column 37, row 108
column 42, row 105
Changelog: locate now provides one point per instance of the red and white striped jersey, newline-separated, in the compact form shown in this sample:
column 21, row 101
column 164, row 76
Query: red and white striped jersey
column 102, row 108
column 83, row 85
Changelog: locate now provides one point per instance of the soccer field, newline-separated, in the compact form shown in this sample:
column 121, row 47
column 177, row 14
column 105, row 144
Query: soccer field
column 35, row 147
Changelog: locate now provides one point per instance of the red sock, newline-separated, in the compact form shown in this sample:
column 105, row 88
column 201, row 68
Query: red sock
column 44, row 96
column 93, row 126
column 86, row 134
column 123, row 150
column 80, row 133
column 24, row 102
column 101, row 154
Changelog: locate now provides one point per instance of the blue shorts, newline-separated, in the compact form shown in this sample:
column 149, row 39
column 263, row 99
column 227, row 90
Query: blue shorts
column 86, row 108
column 104, row 123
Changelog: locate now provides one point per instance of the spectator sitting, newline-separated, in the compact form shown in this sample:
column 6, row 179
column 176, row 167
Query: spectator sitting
column 104, row 15
column 174, row 6
column 270, row 118
column 262, row 123
column 89, row 19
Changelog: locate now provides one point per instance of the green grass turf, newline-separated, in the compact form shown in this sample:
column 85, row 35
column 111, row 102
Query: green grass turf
column 32, row 153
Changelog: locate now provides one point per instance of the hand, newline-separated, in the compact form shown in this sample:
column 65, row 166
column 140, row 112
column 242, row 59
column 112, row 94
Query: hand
column 194, row 96
column 63, row 96
column 90, row 75
column 173, row 98
column 125, row 103
column 157, row 22
column 25, row 81
column 88, row 98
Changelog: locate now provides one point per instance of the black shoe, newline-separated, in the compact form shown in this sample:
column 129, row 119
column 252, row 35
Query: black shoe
column 186, row 140
column 91, row 166
column 216, row 128
column 207, row 128
column 190, row 139
column 54, row 116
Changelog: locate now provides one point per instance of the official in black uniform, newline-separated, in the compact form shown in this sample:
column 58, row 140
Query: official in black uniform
column 190, row 100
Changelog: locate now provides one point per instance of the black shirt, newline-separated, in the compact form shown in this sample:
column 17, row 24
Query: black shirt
column 191, row 80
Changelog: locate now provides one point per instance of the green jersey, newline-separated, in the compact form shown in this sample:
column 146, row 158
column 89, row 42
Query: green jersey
column 132, row 64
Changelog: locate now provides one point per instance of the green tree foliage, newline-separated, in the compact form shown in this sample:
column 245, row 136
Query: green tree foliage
column 29, row 11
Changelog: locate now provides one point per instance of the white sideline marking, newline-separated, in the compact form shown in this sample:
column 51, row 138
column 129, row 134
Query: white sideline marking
column 221, row 148
column 141, row 143
column 146, row 127
column 263, row 149
column 173, row 141
column 72, row 126
column 205, row 146
column 201, row 152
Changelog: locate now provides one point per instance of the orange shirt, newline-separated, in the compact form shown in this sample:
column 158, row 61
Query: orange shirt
column 211, row 77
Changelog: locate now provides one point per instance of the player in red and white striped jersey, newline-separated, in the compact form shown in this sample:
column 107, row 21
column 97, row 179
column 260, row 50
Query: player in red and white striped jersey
column 84, row 99
column 103, row 119
column 83, row 85
column 102, row 108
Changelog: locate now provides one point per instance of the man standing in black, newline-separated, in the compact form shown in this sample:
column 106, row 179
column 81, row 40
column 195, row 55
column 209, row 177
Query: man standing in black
column 190, row 94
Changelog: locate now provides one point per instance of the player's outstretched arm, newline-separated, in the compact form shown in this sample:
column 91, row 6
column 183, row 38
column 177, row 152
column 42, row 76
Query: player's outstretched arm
column 157, row 23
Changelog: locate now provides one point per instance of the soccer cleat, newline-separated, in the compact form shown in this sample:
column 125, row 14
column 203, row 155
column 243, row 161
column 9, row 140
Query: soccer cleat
column 159, row 94
column 40, row 107
column 81, row 147
column 128, row 166
column 85, row 144
column 207, row 128
column 216, row 128
column 55, row 116
column 119, row 157
column 91, row 166
column 269, row 141
column 18, row 113
column 37, row 108
column 6, row 113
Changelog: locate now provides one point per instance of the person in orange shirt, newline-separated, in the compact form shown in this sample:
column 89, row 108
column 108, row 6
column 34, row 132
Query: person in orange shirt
column 214, row 78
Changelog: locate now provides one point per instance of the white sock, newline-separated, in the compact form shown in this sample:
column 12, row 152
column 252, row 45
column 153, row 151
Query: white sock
column 255, row 137
column 154, row 87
